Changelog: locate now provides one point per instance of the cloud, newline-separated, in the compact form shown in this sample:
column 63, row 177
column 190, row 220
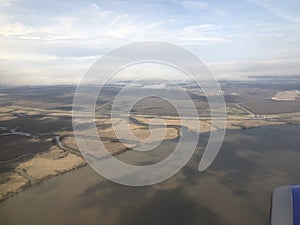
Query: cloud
column 288, row 9
column 7, row 2
column 201, row 33
column 100, row 13
column 40, row 72
column 194, row 4
column 10, row 28
column 37, row 43
column 239, row 70
column 66, row 22
column 95, row 6
column 201, row 27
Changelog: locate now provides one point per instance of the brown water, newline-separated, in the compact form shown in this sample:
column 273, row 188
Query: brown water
column 235, row 190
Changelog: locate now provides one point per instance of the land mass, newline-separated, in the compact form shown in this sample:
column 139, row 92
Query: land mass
column 37, row 140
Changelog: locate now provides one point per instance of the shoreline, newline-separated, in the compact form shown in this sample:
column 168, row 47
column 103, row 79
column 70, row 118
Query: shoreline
column 29, row 184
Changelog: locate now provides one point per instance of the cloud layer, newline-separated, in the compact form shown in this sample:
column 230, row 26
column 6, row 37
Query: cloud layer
column 55, row 42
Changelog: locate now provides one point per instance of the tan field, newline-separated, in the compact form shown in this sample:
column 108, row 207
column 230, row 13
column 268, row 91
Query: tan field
column 246, row 124
column 111, row 146
column 5, row 117
column 140, row 133
column 11, row 183
column 50, row 164
column 232, row 122
column 286, row 95
column 192, row 124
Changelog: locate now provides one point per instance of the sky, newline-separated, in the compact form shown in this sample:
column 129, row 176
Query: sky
column 55, row 42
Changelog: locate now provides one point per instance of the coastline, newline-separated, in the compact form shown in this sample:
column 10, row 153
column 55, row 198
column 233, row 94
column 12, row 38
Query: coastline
column 28, row 184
